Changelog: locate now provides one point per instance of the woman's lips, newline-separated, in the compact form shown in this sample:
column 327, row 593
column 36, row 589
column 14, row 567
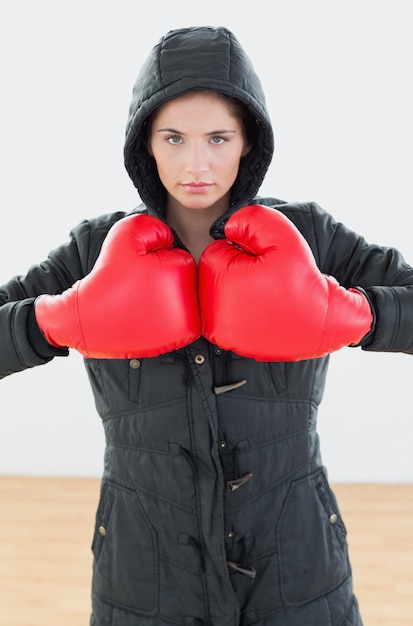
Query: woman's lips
column 197, row 187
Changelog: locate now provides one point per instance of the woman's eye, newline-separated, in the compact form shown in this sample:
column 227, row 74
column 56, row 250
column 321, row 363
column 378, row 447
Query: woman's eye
column 174, row 139
column 217, row 140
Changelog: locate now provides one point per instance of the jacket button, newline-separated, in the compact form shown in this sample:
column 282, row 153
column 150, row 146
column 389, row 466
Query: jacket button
column 102, row 531
column 223, row 444
column 199, row 359
column 230, row 534
column 135, row 364
column 218, row 351
column 333, row 518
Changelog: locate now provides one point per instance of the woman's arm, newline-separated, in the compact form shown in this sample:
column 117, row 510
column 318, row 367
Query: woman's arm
column 381, row 272
column 22, row 344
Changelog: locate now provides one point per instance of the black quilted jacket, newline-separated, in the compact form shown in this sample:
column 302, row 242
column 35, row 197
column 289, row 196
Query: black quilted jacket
column 215, row 507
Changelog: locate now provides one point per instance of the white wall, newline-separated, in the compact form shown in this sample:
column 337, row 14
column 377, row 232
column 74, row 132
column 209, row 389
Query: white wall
column 338, row 82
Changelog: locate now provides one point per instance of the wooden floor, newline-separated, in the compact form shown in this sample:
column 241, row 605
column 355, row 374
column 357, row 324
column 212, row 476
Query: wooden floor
column 45, row 560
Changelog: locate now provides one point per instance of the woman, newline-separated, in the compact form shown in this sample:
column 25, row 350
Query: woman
column 206, row 317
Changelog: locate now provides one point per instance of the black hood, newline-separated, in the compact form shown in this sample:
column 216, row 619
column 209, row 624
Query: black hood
column 185, row 60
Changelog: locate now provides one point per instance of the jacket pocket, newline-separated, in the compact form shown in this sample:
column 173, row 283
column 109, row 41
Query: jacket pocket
column 102, row 520
column 125, row 569
column 311, row 540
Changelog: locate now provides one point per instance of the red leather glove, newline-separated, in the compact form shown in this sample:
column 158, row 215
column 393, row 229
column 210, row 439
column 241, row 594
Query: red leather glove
column 139, row 300
column 263, row 296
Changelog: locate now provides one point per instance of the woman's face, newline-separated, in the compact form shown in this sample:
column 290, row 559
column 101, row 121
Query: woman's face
column 197, row 141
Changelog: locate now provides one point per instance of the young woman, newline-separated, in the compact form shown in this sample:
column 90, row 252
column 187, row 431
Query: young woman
column 206, row 317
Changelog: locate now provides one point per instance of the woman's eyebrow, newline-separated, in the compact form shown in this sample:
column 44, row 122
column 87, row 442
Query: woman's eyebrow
column 170, row 130
column 221, row 131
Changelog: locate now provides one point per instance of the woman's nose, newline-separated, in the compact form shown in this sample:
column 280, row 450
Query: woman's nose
column 197, row 160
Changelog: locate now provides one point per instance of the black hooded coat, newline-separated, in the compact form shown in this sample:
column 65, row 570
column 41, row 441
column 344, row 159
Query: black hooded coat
column 215, row 507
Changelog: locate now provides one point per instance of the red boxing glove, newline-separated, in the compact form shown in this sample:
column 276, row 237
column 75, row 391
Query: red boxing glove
column 263, row 296
column 139, row 300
